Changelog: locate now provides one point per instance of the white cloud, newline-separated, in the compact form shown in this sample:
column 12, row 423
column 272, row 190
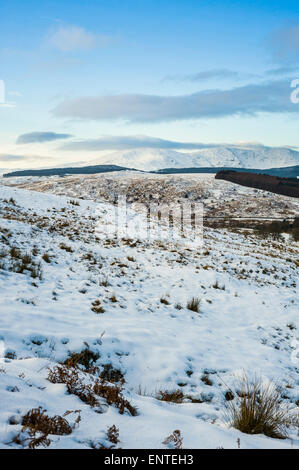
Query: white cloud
column 71, row 38
column 129, row 142
column 33, row 137
column 207, row 75
column 10, row 158
column 248, row 100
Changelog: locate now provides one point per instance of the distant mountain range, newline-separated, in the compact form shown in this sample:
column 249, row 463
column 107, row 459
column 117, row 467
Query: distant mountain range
column 282, row 161
column 234, row 156
column 242, row 156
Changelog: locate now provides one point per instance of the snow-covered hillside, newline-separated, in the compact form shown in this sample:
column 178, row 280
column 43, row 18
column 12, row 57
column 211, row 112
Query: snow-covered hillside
column 243, row 156
column 148, row 159
column 64, row 291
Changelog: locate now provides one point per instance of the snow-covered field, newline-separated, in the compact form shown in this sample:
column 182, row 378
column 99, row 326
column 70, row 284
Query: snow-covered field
column 91, row 292
column 218, row 196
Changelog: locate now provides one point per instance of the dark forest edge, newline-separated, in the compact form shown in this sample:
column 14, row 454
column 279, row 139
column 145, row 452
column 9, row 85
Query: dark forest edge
column 287, row 172
column 266, row 182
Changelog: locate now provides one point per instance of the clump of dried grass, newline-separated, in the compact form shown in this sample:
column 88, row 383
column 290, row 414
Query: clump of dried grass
column 257, row 409
column 174, row 396
column 194, row 304
column 97, row 306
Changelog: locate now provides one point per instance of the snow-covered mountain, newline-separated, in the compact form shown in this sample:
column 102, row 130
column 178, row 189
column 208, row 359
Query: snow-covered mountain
column 148, row 159
column 241, row 156
column 248, row 156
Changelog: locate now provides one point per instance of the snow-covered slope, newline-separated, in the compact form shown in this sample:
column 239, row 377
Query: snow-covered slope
column 242, row 156
column 248, row 157
column 55, row 274
column 148, row 159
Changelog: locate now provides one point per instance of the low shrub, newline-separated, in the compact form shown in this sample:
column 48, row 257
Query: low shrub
column 85, row 358
column 38, row 426
column 113, row 434
column 89, row 389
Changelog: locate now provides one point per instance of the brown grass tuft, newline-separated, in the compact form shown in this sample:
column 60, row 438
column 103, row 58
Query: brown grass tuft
column 257, row 409
column 97, row 306
column 194, row 304
column 175, row 396
column 164, row 301
column 206, row 379
column 46, row 258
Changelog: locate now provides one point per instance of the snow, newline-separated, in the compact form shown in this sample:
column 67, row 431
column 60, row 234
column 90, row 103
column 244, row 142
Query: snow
column 242, row 156
column 243, row 325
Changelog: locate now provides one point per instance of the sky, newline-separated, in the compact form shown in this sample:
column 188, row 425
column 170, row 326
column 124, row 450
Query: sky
column 85, row 78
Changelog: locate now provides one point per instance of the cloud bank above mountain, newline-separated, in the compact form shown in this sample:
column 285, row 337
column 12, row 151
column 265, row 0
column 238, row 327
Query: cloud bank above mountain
column 252, row 99
column 129, row 142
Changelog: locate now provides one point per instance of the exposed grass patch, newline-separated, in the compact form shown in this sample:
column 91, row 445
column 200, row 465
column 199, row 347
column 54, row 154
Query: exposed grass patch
column 175, row 396
column 164, row 301
column 194, row 304
column 112, row 374
column 15, row 261
column 217, row 286
column 74, row 203
column 258, row 409
column 104, row 282
column 97, row 306
column 46, row 258
column 63, row 246
column 206, row 379
column 85, row 358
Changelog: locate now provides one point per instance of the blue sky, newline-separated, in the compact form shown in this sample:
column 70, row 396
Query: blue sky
column 183, row 71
